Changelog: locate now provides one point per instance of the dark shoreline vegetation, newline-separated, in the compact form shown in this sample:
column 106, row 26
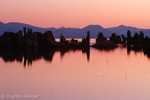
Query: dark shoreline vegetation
column 34, row 45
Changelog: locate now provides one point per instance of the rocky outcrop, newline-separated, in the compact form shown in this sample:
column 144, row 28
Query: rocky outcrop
column 115, row 38
column 106, row 45
column 47, row 40
column 100, row 38
column 103, row 43
column 30, row 40
column 63, row 40
column 124, row 39
column 20, row 39
column 74, row 44
column 48, row 36
column 10, row 40
column 138, row 39
column 128, row 38
column 138, row 42
column 86, row 41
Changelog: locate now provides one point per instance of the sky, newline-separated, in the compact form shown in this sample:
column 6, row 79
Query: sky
column 76, row 13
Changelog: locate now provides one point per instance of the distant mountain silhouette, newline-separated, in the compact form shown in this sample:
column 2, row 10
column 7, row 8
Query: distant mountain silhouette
column 15, row 27
column 73, row 32
column 122, row 29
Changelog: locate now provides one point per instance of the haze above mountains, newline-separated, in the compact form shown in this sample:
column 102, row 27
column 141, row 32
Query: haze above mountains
column 74, row 32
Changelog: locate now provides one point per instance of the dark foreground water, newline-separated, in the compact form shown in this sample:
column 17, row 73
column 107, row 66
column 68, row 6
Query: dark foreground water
column 77, row 75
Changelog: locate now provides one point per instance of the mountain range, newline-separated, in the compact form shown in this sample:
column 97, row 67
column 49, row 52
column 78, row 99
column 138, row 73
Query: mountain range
column 74, row 32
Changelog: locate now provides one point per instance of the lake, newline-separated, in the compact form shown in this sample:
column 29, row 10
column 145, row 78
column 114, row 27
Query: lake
column 77, row 75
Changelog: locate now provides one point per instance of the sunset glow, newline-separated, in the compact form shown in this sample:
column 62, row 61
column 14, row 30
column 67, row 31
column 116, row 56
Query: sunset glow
column 76, row 13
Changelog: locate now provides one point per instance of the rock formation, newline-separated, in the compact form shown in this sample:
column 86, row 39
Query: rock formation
column 86, row 41
column 48, row 36
column 8, row 40
column 103, row 43
column 115, row 38
column 124, row 39
column 100, row 38
column 128, row 38
column 30, row 40
column 63, row 40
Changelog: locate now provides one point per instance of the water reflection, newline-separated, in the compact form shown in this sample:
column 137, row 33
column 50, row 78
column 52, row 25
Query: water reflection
column 29, row 55
column 107, row 75
column 146, row 51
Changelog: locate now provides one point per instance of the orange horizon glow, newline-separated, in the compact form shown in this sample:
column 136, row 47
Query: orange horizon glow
column 77, row 13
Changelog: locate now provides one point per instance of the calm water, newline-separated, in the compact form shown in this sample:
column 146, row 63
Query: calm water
column 79, row 75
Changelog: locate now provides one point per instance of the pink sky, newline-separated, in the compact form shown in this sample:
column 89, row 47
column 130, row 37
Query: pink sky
column 76, row 13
